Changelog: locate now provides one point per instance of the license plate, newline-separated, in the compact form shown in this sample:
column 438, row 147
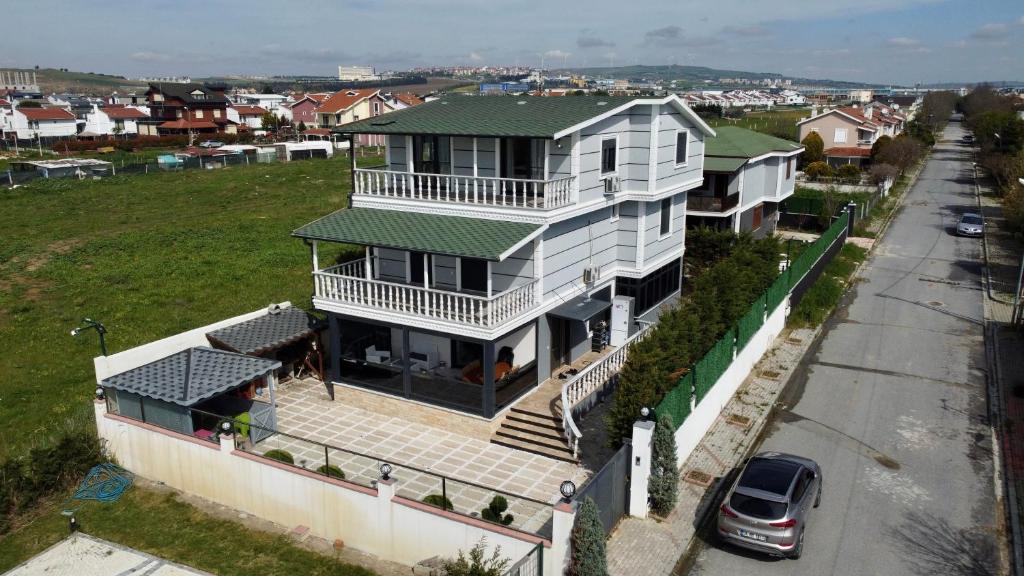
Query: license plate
column 753, row 536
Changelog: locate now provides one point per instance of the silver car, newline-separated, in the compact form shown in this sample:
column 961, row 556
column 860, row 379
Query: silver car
column 766, row 509
column 970, row 224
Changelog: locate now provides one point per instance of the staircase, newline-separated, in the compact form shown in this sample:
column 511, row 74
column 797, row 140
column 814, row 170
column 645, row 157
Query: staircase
column 534, row 430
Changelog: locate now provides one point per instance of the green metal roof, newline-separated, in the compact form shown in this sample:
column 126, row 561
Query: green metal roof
column 496, row 116
column 736, row 142
column 433, row 233
column 722, row 164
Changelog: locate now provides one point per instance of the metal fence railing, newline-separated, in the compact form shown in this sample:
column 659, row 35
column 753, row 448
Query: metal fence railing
column 530, row 565
column 702, row 376
column 462, row 497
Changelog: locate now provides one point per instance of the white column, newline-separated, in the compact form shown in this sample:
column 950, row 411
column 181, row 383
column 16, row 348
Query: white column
column 227, row 442
column 497, row 158
column 562, row 521
column 476, row 163
column 426, row 270
column 652, row 149
column 643, row 441
column 369, row 270
column 100, row 412
column 316, row 258
column 489, row 283
column 538, row 267
column 385, row 527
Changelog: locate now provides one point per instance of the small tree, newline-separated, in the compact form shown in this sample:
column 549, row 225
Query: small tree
column 829, row 204
column 302, row 126
column 882, row 172
column 588, row 548
column 814, row 148
column 879, row 145
column 476, row 564
column 267, row 121
column 495, row 511
column 663, row 487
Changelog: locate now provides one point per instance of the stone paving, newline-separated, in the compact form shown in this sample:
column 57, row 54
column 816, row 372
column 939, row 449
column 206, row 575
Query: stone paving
column 419, row 454
column 83, row 555
column 651, row 548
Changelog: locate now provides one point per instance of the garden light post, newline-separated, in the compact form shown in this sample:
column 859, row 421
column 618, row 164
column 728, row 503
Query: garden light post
column 88, row 323
column 568, row 490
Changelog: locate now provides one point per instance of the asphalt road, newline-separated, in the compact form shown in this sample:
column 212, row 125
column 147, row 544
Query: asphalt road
column 891, row 401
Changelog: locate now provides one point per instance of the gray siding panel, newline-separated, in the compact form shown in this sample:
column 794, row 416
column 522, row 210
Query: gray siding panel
column 654, row 246
column 667, row 173
column 515, row 270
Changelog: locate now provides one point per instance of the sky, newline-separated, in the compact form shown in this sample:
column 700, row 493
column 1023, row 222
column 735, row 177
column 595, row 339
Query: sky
column 878, row 41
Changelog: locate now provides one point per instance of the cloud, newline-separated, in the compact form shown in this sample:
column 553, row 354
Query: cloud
column 557, row 54
column 903, row 42
column 150, row 56
column 475, row 57
column 589, row 39
column 993, row 31
column 752, row 30
column 674, row 36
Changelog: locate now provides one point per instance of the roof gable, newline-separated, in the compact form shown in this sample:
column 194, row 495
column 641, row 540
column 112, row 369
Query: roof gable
column 343, row 100
column 733, row 141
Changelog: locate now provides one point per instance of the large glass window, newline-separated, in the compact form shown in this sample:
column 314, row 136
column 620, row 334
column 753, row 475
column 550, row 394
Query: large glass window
column 651, row 289
column 666, row 217
column 682, row 147
column 609, row 153
column 371, row 356
column 473, row 272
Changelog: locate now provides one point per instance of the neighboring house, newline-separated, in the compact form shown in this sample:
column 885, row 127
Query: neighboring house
column 403, row 100
column 186, row 109
column 348, row 106
column 303, row 110
column 265, row 101
column 495, row 239
column 746, row 175
column 110, row 120
column 129, row 99
column 248, row 116
column 848, row 133
column 31, row 123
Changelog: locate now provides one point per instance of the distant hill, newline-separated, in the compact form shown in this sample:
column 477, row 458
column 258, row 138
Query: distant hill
column 90, row 83
column 695, row 74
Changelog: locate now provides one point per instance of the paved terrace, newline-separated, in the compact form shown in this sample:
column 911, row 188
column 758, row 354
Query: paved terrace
column 305, row 410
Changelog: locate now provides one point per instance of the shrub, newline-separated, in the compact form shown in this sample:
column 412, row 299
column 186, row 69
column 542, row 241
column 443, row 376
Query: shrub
column 439, row 501
column 881, row 172
column 588, row 547
column 495, row 511
column 819, row 169
column 664, row 484
column 814, row 149
column 332, row 471
column 280, row 455
column 849, row 172
column 476, row 564
column 879, row 145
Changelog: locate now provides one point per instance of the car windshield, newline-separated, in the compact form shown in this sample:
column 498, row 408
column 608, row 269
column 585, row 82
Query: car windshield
column 971, row 220
column 757, row 507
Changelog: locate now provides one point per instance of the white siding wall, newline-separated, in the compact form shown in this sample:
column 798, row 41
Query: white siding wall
column 657, row 248
column 668, row 175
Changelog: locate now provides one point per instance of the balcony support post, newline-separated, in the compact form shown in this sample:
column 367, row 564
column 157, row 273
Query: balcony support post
column 316, row 257
column 406, row 367
column 369, row 269
column 488, row 391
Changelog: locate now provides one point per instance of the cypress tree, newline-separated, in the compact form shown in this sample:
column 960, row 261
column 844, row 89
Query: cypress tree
column 663, row 487
column 588, row 550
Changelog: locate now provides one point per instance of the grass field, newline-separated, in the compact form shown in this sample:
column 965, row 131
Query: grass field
column 149, row 256
column 779, row 122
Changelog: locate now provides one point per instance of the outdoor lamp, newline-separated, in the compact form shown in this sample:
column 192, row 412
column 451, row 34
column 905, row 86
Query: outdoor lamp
column 99, row 393
column 88, row 323
column 225, row 427
column 645, row 412
column 568, row 490
column 385, row 471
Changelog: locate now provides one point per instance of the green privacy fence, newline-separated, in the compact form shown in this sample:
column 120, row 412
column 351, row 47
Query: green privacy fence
column 695, row 385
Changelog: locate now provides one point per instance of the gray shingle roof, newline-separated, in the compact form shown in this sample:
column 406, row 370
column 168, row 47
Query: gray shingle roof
column 498, row 116
column 267, row 332
column 190, row 376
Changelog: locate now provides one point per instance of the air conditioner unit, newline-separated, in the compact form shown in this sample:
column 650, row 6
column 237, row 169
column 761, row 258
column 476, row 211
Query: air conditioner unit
column 612, row 184
column 591, row 274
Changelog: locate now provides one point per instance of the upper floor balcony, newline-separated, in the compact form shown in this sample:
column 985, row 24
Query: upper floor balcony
column 696, row 203
column 529, row 193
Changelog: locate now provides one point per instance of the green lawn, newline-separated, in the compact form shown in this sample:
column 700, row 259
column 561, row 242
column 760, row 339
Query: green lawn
column 779, row 122
column 161, row 524
column 147, row 255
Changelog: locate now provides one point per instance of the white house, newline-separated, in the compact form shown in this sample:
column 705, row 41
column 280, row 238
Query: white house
column 30, row 123
column 110, row 120
column 251, row 116
column 265, row 101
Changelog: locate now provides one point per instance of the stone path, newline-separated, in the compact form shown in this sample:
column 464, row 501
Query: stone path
column 84, row 555
column 305, row 411
column 647, row 547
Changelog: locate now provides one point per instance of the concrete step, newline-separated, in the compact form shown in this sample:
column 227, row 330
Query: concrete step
column 556, row 452
column 540, row 426
column 535, row 416
column 529, row 431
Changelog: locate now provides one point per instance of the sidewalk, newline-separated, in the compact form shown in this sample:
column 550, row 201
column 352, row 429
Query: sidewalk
column 651, row 548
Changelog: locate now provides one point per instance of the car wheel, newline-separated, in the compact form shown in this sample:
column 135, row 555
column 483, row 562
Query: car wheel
column 798, row 550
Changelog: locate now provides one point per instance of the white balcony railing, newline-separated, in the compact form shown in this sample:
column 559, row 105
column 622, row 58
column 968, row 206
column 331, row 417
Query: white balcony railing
column 591, row 378
column 510, row 192
column 347, row 284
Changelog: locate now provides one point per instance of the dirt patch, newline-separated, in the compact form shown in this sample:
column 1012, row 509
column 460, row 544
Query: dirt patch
column 702, row 479
column 55, row 248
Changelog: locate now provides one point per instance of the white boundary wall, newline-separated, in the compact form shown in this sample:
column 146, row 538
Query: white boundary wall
column 373, row 520
column 689, row 435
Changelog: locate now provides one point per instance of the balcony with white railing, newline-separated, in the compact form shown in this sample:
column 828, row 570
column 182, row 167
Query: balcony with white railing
column 347, row 284
column 472, row 190
column 591, row 379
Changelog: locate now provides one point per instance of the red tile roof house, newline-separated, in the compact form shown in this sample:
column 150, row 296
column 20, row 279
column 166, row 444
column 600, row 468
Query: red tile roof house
column 248, row 117
column 304, row 108
column 847, row 132
column 348, row 106
column 43, row 123
column 186, row 109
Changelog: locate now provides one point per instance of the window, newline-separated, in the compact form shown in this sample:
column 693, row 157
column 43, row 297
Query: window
column 840, row 136
column 666, row 217
column 789, row 168
column 615, row 212
column 758, row 215
column 199, row 114
column 216, row 113
column 376, row 108
column 609, row 153
column 682, row 147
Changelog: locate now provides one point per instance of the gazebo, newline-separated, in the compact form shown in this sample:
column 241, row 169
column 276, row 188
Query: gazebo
column 192, row 390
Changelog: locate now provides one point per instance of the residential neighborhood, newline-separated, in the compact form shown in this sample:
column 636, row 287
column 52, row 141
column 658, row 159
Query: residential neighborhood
column 684, row 290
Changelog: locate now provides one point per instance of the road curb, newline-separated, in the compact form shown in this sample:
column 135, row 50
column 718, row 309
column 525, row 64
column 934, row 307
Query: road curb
column 1001, row 479
column 984, row 239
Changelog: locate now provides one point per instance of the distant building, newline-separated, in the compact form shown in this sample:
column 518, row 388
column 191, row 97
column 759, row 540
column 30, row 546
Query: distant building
column 356, row 73
column 504, row 87
column 862, row 96
column 30, row 123
column 186, row 109
column 110, row 120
